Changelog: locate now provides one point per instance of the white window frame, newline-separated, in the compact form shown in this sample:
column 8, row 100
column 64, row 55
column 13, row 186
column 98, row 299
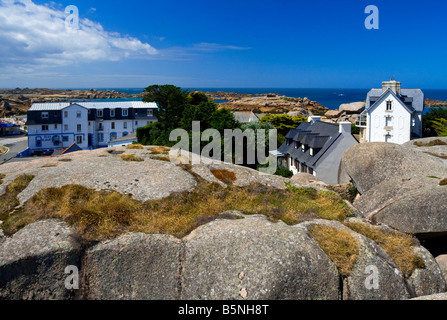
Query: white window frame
column 79, row 127
column 78, row 114
column 112, row 112
column 99, row 113
column 125, row 112
column 45, row 115
column 125, row 125
column 79, row 138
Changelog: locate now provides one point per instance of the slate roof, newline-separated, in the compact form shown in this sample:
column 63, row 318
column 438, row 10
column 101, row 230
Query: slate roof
column 412, row 98
column 319, row 136
column 54, row 106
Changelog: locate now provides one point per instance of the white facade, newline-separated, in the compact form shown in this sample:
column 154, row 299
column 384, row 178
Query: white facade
column 394, row 115
column 56, row 126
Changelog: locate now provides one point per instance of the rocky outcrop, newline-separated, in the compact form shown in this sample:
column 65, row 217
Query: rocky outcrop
column 253, row 258
column 33, row 261
column 352, row 108
column 399, row 187
column 133, row 266
column 441, row 260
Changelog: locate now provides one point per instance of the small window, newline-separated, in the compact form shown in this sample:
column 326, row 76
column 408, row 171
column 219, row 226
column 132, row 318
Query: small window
column 89, row 124
column 55, row 126
column 125, row 134
column 100, row 137
column 389, row 106
column 99, row 113
column 65, row 138
column 100, row 126
column 388, row 138
column 136, row 123
column 65, row 114
column 65, row 127
column 125, row 125
column 79, row 139
column 150, row 113
column 44, row 127
column 311, row 151
column 125, row 112
column 78, row 114
column 389, row 121
column 38, row 142
column 45, row 115
column 113, row 125
column 112, row 112
column 79, row 128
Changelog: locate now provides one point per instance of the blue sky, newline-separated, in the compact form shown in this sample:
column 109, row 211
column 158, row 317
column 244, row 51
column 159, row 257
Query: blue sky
column 267, row 44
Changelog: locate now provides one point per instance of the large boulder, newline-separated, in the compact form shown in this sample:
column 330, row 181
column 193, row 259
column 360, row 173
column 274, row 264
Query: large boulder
column 441, row 260
column 351, row 108
column 391, row 283
column 253, row 258
column 133, row 266
column 333, row 114
column 399, row 187
column 33, row 261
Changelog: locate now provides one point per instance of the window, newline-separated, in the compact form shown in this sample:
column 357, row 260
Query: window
column 65, row 114
column 65, row 127
column 389, row 122
column 112, row 112
column 89, row 124
column 99, row 113
column 150, row 113
column 303, row 148
column 113, row 125
column 44, row 115
column 125, row 112
column 78, row 114
column 125, row 125
column 388, row 138
column 136, row 123
column 79, row 139
column 311, row 151
column 45, row 127
column 100, row 137
column 79, row 128
column 65, row 138
column 55, row 126
column 100, row 126
column 38, row 142
column 125, row 134
column 112, row 136
column 389, row 106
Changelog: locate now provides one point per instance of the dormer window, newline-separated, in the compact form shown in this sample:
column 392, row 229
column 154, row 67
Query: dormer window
column 45, row 115
column 296, row 145
column 125, row 112
column 389, row 106
column 99, row 113
column 112, row 112
column 303, row 148
column 311, row 151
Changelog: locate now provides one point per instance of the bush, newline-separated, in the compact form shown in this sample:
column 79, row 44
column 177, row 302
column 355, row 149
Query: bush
column 283, row 172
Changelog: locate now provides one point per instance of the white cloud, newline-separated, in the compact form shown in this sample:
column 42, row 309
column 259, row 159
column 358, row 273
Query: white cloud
column 35, row 36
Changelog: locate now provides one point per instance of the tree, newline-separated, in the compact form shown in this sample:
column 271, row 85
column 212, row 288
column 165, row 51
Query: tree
column 283, row 122
column 435, row 114
column 440, row 126
column 171, row 101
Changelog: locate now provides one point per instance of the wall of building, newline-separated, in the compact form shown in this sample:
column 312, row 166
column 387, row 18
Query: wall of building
column 400, row 127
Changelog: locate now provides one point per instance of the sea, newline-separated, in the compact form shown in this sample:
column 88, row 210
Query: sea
column 330, row 98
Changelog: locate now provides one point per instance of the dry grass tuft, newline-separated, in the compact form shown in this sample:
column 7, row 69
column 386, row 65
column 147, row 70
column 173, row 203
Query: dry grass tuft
column 436, row 142
column 339, row 245
column 159, row 150
column 227, row 177
column 131, row 157
column 65, row 160
column 134, row 146
column 50, row 165
column 161, row 158
column 443, row 182
column 398, row 246
column 98, row 215
column 8, row 201
column 1, row 177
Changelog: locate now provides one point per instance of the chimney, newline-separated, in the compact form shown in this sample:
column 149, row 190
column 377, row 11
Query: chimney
column 392, row 84
column 314, row 119
column 345, row 127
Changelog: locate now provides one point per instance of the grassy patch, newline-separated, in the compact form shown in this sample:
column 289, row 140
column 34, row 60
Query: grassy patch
column 159, row 150
column 339, row 245
column 437, row 155
column 433, row 177
column 8, row 201
column 98, row 215
column 398, row 246
column 134, row 146
column 443, row 182
column 65, row 160
column 223, row 175
column 346, row 191
column 131, row 157
column 436, row 142
column 50, row 165
column 161, row 157
column 1, row 177
column 114, row 152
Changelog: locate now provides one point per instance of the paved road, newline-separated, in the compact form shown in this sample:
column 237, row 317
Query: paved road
column 15, row 145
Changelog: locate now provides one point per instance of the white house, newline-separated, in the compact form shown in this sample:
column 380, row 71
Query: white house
column 89, row 125
column 316, row 147
column 392, row 114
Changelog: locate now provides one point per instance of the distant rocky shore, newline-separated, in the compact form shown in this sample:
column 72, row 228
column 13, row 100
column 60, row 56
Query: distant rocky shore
column 18, row 101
